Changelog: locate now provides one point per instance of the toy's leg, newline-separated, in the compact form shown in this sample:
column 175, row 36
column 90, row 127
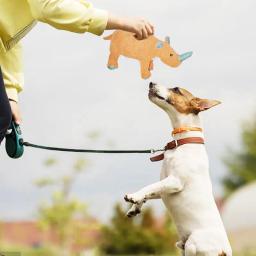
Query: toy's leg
column 113, row 60
column 151, row 65
column 144, row 69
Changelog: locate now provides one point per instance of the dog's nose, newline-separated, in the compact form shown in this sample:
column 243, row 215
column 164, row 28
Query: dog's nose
column 151, row 85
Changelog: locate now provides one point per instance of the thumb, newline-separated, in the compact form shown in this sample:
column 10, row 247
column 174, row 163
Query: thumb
column 17, row 120
column 15, row 112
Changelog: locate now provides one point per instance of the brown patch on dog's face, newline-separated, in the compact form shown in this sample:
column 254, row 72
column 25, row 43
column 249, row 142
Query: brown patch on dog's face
column 180, row 99
column 222, row 254
column 186, row 103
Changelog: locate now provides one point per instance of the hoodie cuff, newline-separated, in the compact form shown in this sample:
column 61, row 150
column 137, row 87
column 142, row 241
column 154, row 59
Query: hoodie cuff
column 12, row 93
column 99, row 22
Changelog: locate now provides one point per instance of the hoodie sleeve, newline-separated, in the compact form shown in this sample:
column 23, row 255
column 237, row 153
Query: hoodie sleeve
column 12, row 69
column 77, row 16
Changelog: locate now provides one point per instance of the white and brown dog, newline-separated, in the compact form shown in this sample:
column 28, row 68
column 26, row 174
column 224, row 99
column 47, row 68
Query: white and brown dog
column 185, row 186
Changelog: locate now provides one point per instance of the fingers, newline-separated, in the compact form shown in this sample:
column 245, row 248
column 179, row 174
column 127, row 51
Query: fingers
column 140, row 27
column 17, row 119
column 144, row 30
column 139, row 35
column 144, row 33
column 150, row 29
column 16, row 112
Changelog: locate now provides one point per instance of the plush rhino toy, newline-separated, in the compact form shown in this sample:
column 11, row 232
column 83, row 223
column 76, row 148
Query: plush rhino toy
column 125, row 43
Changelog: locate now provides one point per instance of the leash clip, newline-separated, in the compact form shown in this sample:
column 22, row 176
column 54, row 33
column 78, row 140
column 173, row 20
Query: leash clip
column 152, row 151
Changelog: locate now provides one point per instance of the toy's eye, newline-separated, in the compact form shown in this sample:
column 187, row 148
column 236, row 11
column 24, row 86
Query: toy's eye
column 171, row 54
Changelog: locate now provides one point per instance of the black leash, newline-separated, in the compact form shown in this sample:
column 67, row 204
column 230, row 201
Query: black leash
column 15, row 146
column 100, row 151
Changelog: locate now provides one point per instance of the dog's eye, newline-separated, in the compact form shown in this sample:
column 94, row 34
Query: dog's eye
column 177, row 90
column 171, row 54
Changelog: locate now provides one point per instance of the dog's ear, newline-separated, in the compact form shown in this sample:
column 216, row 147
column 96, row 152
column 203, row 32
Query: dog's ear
column 199, row 105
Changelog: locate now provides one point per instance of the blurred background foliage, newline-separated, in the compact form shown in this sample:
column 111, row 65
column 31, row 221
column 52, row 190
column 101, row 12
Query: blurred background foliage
column 143, row 235
column 242, row 165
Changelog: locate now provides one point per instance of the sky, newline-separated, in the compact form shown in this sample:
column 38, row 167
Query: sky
column 69, row 94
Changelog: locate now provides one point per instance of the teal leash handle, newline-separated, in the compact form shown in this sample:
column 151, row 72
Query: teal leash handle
column 14, row 141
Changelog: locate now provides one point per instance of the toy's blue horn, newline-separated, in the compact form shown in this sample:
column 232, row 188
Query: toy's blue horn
column 185, row 55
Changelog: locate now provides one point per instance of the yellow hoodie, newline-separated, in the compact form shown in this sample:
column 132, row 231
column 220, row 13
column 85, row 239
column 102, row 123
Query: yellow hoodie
column 17, row 18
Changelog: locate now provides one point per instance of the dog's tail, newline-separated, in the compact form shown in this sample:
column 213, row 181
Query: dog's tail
column 108, row 37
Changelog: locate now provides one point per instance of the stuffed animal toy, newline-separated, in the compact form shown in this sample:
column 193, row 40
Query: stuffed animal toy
column 125, row 43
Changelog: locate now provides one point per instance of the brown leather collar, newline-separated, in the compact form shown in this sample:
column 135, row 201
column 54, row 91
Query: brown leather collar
column 176, row 143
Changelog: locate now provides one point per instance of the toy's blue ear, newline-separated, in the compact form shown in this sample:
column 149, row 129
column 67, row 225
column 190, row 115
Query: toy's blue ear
column 167, row 39
column 159, row 44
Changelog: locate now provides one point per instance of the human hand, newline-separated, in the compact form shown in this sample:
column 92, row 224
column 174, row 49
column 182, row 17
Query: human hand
column 15, row 112
column 140, row 27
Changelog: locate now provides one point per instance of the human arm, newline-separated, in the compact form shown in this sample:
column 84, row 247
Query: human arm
column 80, row 16
column 11, row 66
column 77, row 16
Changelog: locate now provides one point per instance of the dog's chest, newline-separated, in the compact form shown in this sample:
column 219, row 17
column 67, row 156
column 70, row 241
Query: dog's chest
column 169, row 164
column 184, row 161
column 173, row 163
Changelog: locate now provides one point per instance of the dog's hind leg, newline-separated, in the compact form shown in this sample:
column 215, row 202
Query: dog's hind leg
column 190, row 249
column 181, row 245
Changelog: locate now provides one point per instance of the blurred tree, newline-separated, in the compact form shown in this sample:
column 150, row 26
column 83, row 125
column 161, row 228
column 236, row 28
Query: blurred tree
column 142, row 235
column 242, row 165
column 60, row 213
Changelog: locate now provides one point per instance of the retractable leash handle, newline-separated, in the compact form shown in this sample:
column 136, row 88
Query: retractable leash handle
column 14, row 141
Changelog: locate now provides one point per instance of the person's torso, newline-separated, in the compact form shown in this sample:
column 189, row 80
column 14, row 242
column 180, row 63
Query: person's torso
column 16, row 21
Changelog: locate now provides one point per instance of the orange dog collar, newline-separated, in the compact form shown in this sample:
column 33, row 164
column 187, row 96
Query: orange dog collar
column 186, row 129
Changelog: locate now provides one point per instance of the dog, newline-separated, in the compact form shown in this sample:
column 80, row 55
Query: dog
column 185, row 186
column 124, row 43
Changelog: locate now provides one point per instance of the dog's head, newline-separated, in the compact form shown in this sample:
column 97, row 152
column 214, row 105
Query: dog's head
column 178, row 100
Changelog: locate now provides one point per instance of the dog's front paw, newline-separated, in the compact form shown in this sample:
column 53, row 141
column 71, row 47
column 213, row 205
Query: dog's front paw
column 135, row 198
column 133, row 211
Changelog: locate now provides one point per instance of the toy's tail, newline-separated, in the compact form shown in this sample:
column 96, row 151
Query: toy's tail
column 108, row 37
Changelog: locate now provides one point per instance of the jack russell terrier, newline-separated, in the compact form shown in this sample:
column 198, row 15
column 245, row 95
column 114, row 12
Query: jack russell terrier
column 185, row 186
